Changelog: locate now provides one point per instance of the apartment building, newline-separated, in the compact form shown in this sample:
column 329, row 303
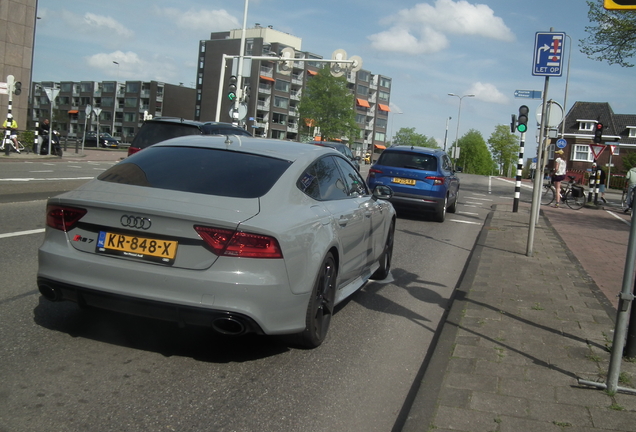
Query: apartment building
column 274, row 93
column 118, row 108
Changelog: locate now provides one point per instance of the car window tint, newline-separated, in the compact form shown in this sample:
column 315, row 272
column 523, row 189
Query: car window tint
column 224, row 130
column 409, row 160
column 204, row 171
column 154, row 132
column 355, row 185
column 323, row 181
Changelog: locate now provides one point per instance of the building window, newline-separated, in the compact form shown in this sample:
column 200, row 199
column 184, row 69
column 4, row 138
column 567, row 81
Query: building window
column 582, row 153
column 380, row 136
column 278, row 118
column 632, row 131
column 132, row 87
column 380, row 122
column 87, row 87
column 280, row 102
column 385, row 82
column 66, row 87
column 586, row 126
column 108, row 102
column 282, row 86
column 130, row 117
column 363, row 90
column 130, row 103
column 363, row 76
column 383, row 96
column 361, row 118
column 109, row 87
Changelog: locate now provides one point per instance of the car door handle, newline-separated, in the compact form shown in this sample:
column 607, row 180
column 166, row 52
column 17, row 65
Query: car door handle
column 343, row 221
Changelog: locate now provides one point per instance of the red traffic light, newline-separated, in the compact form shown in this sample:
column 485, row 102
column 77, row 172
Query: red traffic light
column 598, row 133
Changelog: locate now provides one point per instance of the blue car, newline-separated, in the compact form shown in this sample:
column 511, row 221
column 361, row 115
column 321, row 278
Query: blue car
column 421, row 179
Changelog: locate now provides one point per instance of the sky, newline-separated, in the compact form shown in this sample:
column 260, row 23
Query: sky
column 429, row 48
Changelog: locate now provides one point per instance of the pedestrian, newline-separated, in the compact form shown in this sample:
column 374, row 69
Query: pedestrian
column 12, row 125
column 601, row 180
column 559, row 175
column 630, row 178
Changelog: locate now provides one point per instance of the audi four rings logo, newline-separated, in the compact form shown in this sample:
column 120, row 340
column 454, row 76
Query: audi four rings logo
column 135, row 222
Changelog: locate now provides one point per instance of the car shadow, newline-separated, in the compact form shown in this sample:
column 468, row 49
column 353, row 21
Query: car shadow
column 165, row 338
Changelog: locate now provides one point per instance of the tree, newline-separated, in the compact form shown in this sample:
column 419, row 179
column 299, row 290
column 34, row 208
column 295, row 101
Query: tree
column 613, row 38
column 408, row 137
column 474, row 157
column 327, row 103
column 504, row 147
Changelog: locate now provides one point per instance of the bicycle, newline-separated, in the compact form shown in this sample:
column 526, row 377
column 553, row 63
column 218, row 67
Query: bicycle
column 19, row 149
column 572, row 194
column 624, row 205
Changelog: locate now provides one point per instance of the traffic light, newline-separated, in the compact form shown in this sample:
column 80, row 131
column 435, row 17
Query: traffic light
column 231, row 95
column 17, row 88
column 598, row 133
column 522, row 119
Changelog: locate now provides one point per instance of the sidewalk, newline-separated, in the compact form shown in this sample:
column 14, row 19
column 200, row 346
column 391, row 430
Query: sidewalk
column 522, row 330
column 91, row 154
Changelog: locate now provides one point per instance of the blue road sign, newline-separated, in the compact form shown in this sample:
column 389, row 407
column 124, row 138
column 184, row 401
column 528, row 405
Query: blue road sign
column 548, row 54
column 561, row 143
column 529, row 94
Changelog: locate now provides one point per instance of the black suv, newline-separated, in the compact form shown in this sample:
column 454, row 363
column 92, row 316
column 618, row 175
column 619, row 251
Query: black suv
column 105, row 140
column 163, row 128
column 342, row 148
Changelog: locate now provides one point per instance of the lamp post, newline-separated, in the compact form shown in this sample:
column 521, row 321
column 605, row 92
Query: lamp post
column 391, row 131
column 446, row 133
column 117, row 63
column 459, row 113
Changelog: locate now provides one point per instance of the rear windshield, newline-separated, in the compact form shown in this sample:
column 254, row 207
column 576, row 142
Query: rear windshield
column 408, row 160
column 223, row 130
column 203, row 171
column 154, row 132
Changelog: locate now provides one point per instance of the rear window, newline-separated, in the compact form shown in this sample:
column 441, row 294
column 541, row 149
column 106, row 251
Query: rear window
column 408, row 160
column 154, row 132
column 224, row 130
column 196, row 170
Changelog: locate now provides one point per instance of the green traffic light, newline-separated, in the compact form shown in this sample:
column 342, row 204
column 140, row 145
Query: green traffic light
column 522, row 127
column 231, row 96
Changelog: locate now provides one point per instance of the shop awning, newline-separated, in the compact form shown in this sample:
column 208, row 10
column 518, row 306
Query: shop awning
column 312, row 72
column 384, row 107
column 381, row 147
column 73, row 111
column 362, row 103
column 266, row 78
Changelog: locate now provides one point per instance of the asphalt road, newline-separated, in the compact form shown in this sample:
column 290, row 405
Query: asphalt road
column 67, row 369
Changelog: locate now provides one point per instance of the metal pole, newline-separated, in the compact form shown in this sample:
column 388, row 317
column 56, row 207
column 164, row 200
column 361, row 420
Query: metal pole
column 459, row 113
column 515, row 205
column 446, row 133
column 538, row 178
column 239, row 75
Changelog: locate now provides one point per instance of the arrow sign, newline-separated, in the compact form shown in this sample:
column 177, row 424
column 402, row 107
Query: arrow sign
column 597, row 149
column 529, row 94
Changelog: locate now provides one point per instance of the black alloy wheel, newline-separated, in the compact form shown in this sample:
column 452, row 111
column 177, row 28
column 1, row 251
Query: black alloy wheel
column 387, row 255
column 321, row 304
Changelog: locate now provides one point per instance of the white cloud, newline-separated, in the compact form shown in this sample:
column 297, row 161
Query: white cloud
column 423, row 28
column 133, row 67
column 487, row 93
column 96, row 25
column 201, row 20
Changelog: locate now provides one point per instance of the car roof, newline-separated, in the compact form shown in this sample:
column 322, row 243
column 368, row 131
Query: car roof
column 174, row 120
column 287, row 150
column 329, row 144
column 416, row 149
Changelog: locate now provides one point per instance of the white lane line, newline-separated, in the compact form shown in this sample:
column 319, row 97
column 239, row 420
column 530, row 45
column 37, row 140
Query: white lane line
column 468, row 213
column 21, row 233
column 41, row 171
column 44, row 179
column 466, row 222
column 618, row 217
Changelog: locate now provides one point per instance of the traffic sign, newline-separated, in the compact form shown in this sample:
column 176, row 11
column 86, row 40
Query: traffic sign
column 548, row 54
column 561, row 143
column 619, row 4
column 555, row 114
column 597, row 149
column 529, row 94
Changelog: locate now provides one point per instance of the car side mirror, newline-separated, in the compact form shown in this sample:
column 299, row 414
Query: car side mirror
column 382, row 192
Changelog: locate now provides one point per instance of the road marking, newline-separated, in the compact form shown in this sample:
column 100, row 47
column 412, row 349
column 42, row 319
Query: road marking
column 468, row 213
column 466, row 222
column 21, row 233
column 477, row 198
column 44, row 179
column 41, row 171
column 618, row 217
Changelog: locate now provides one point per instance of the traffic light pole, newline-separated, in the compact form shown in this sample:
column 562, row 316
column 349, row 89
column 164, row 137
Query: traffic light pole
column 7, row 131
column 515, row 205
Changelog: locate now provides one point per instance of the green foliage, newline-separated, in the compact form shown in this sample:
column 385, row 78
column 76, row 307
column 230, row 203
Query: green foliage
column 629, row 161
column 27, row 137
column 327, row 103
column 474, row 157
column 613, row 38
column 408, row 137
column 504, row 147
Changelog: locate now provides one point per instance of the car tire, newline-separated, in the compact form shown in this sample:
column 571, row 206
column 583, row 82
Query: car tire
column 440, row 212
column 453, row 207
column 321, row 305
column 387, row 255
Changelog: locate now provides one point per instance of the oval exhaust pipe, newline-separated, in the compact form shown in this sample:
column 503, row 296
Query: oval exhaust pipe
column 50, row 293
column 229, row 326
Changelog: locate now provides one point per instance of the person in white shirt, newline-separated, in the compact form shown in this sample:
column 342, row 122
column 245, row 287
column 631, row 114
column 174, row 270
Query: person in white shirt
column 559, row 175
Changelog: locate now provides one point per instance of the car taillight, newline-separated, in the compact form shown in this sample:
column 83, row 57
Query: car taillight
column 133, row 150
column 437, row 181
column 63, row 218
column 374, row 171
column 239, row 244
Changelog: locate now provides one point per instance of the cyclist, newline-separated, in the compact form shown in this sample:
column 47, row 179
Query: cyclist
column 559, row 175
column 631, row 181
column 12, row 125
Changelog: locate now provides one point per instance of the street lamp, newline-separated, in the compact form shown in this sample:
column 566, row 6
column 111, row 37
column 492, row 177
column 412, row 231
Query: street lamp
column 446, row 133
column 391, row 131
column 459, row 113
column 117, row 63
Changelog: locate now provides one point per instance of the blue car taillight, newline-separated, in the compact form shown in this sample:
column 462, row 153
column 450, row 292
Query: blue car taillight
column 437, row 181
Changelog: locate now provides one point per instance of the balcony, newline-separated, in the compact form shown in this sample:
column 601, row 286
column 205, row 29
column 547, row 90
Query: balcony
column 263, row 106
column 265, row 89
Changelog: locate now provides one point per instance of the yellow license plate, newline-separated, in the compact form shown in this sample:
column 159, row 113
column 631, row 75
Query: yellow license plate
column 403, row 181
column 149, row 249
